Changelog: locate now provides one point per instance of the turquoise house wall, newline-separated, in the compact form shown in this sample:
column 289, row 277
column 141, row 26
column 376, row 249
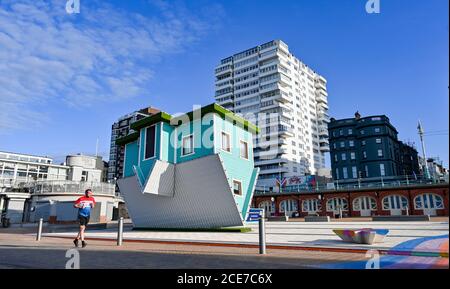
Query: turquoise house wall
column 131, row 158
column 201, row 129
column 236, row 167
column 167, row 151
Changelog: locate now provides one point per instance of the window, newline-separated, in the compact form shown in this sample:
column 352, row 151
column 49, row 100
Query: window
column 334, row 145
column 362, row 131
column 363, row 143
column 337, row 173
column 288, row 206
column 237, row 187
column 188, row 145
column 343, row 156
column 334, row 204
column 351, row 143
column 380, row 153
column 244, row 150
column 345, row 173
column 382, row 171
column 377, row 129
column 350, row 131
column 341, row 132
column 311, row 205
column 378, row 140
column 226, row 142
column 150, row 142
column 428, row 201
column 335, row 158
column 394, row 202
column 366, row 168
column 342, row 144
column 354, row 172
column 365, row 154
column 352, row 156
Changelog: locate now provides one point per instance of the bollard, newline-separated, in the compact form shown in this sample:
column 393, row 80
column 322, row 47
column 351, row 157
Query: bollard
column 39, row 232
column 120, row 232
column 262, row 234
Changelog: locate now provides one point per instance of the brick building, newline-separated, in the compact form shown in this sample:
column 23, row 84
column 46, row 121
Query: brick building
column 431, row 199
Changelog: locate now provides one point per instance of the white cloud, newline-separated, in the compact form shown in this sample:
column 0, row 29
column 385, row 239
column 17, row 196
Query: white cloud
column 102, row 54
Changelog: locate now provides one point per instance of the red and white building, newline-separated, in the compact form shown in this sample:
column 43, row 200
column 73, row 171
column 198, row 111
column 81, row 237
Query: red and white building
column 414, row 200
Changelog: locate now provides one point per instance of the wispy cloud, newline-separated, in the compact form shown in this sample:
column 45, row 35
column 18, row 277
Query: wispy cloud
column 101, row 54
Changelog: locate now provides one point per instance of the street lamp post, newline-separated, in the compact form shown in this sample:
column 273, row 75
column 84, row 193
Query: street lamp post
column 421, row 132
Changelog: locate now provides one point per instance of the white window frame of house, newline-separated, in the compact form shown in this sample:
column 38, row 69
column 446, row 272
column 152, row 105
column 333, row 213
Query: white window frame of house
column 419, row 203
column 366, row 168
column 352, row 156
column 380, row 153
column 382, row 170
column 246, row 150
column 377, row 130
column 364, row 154
column 350, row 131
column 344, row 156
column 145, row 144
column 182, row 145
column 363, row 143
column 229, row 141
column 342, row 144
column 351, row 143
column 334, row 145
column 336, row 158
column 378, row 140
column 337, row 173
column 240, row 187
column 345, row 173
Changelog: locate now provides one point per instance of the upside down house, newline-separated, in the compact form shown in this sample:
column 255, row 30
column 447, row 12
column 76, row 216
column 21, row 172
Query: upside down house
column 190, row 171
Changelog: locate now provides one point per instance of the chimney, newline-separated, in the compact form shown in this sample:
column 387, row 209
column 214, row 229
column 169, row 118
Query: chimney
column 357, row 115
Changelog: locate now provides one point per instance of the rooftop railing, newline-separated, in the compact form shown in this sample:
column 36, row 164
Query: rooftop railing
column 59, row 187
column 356, row 185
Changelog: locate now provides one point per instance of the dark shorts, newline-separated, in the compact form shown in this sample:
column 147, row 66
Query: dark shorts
column 83, row 220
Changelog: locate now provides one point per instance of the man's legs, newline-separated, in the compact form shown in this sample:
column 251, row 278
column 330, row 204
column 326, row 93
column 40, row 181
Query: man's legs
column 81, row 233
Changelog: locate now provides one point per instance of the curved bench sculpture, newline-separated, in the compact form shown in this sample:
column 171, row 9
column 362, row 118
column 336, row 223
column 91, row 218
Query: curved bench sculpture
column 362, row 236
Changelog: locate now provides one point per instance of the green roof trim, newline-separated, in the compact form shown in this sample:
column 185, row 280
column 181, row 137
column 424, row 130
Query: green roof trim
column 127, row 139
column 225, row 114
column 152, row 119
column 175, row 121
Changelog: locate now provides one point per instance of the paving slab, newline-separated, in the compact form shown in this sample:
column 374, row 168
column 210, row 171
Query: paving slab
column 293, row 234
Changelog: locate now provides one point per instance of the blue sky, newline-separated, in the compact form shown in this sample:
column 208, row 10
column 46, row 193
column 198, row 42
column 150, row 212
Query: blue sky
column 65, row 78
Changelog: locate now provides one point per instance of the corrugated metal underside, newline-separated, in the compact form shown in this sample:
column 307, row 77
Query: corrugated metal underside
column 162, row 180
column 202, row 199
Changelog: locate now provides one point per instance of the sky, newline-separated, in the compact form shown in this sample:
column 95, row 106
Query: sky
column 65, row 78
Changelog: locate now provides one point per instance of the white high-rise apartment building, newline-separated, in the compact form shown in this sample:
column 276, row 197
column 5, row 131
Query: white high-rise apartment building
column 287, row 100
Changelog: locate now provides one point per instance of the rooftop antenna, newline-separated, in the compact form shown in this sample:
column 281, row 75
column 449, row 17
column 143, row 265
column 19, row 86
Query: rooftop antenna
column 96, row 148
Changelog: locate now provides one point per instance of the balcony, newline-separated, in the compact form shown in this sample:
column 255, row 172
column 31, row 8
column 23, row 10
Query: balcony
column 271, row 161
column 320, row 98
column 221, row 70
column 325, row 148
column 268, row 54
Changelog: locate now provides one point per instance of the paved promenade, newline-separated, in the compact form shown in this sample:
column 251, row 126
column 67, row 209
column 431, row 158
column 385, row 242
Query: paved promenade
column 293, row 234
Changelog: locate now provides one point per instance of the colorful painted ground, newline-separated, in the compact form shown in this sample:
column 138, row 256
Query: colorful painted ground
column 420, row 253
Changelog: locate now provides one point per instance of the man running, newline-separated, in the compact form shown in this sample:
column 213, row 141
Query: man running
column 84, row 205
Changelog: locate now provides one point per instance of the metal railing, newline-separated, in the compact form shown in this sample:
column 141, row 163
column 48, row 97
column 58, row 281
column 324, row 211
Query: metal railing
column 357, row 185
